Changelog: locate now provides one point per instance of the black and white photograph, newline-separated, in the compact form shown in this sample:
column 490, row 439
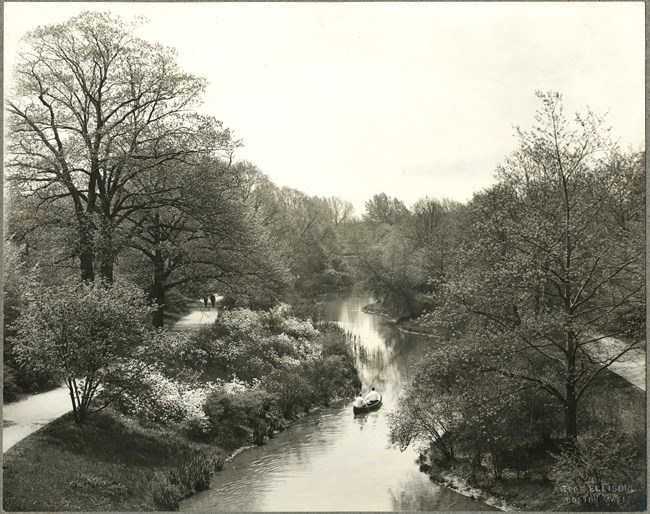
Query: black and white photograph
column 324, row 256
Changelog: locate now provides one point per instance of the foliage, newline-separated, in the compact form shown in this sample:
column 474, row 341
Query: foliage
column 93, row 111
column 552, row 257
column 240, row 417
column 86, row 333
column 152, row 397
column 18, row 379
column 600, row 472
column 454, row 407
column 287, row 366
column 405, row 262
column 385, row 210
column 183, row 480
column 251, row 344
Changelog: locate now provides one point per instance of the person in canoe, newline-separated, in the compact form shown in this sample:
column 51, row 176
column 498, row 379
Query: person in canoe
column 359, row 402
column 372, row 396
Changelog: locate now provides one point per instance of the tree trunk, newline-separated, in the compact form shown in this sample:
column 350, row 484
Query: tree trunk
column 158, row 290
column 86, row 265
column 75, row 412
column 158, row 316
column 86, row 243
column 571, row 413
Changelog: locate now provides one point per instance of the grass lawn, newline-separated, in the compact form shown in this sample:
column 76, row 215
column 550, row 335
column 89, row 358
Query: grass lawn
column 109, row 464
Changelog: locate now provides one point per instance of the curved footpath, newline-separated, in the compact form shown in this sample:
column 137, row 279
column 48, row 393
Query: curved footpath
column 23, row 418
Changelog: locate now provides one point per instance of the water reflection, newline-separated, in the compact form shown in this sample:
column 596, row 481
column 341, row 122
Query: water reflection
column 333, row 460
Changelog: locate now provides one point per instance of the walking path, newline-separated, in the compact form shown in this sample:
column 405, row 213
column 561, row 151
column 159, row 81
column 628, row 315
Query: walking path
column 631, row 366
column 196, row 319
column 25, row 417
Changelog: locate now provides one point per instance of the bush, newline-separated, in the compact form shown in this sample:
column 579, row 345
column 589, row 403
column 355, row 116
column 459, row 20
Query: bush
column 166, row 496
column 239, row 418
column 294, row 392
column 10, row 391
column 182, row 481
column 152, row 397
column 597, row 472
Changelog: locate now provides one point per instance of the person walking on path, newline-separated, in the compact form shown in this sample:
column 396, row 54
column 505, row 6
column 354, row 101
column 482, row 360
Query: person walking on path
column 213, row 299
column 205, row 301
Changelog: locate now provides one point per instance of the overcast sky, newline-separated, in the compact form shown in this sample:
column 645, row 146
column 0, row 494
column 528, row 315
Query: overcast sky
column 413, row 99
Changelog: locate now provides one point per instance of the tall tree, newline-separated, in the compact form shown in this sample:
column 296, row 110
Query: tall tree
column 205, row 237
column 381, row 208
column 94, row 107
column 554, row 255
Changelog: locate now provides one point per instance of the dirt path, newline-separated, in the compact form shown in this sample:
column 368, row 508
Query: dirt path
column 25, row 417
column 197, row 318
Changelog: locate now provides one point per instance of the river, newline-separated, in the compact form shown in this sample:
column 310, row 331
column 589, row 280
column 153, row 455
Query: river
column 331, row 460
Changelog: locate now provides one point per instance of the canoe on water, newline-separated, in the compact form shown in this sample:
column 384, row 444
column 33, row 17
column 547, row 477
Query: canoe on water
column 374, row 405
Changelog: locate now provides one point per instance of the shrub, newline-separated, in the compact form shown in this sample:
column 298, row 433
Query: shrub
column 10, row 391
column 150, row 396
column 190, row 476
column 238, row 417
column 166, row 496
column 597, row 472
column 293, row 392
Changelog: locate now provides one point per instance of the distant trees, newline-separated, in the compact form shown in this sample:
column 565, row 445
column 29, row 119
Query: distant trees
column 383, row 209
column 404, row 253
column 340, row 210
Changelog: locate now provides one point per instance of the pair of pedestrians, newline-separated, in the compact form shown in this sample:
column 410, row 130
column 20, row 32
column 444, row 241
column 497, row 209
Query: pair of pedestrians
column 212, row 298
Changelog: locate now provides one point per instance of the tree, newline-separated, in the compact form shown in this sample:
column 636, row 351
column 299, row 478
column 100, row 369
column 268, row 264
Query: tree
column 85, row 333
column 340, row 210
column 206, row 237
column 456, row 409
column 383, row 209
column 93, row 108
column 549, row 262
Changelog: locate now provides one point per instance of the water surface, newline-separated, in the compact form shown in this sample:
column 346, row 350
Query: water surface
column 332, row 460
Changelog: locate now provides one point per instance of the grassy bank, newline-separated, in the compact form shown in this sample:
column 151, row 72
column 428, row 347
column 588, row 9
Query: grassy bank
column 232, row 385
column 111, row 463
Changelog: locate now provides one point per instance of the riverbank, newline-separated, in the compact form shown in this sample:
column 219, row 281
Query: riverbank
column 406, row 325
column 532, row 485
column 119, row 462
column 110, row 463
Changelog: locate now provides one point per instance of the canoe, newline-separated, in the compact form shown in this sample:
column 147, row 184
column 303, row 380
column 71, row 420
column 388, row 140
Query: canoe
column 374, row 405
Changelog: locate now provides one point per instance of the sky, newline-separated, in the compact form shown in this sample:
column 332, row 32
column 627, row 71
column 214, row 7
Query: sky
column 411, row 99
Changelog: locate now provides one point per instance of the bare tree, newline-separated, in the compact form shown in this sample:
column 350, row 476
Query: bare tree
column 340, row 210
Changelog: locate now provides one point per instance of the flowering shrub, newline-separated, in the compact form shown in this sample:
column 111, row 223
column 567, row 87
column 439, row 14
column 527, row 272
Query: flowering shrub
column 155, row 397
column 62, row 328
column 253, row 344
